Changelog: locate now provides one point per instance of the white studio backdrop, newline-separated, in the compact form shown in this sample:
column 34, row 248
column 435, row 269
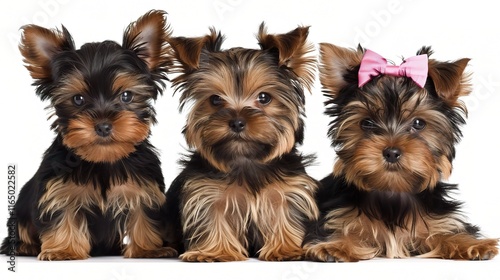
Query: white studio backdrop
column 393, row 28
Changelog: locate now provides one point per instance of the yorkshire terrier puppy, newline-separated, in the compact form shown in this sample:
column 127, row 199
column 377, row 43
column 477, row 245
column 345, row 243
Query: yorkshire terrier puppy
column 394, row 129
column 100, row 180
column 244, row 191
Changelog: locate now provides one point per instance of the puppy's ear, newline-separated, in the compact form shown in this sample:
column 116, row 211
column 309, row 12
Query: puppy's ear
column 39, row 46
column 294, row 52
column 335, row 63
column 188, row 51
column 449, row 78
column 148, row 37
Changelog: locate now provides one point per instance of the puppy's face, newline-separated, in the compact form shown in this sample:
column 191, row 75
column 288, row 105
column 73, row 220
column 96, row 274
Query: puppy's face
column 247, row 105
column 390, row 134
column 245, row 108
column 395, row 136
column 101, row 93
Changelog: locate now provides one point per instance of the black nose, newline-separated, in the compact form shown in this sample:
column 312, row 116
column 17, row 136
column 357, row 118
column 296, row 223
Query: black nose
column 392, row 155
column 103, row 129
column 237, row 125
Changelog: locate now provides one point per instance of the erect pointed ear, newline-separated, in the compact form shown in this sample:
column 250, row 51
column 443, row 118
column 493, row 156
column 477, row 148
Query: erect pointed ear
column 188, row 51
column 294, row 52
column 449, row 78
column 335, row 62
column 39, row 46
column 148, row 37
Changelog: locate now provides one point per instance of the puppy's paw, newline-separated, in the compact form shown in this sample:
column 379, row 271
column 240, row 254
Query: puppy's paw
column 486, row 249
column 280, row 255
column 28, row 250
column 164, row 252
column 338, row 252
column 197, row 256
column 60, row 255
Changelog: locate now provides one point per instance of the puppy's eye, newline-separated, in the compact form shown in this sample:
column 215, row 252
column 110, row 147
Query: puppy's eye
column 368, row 124
column 418, row 124
column 78, row 100
column 126, row 97
column 216, row 100
column 264, row 98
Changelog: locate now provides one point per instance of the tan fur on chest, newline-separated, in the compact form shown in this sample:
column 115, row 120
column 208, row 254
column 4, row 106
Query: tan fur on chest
column 217, row 214
column 119, row 198
column 232, row 200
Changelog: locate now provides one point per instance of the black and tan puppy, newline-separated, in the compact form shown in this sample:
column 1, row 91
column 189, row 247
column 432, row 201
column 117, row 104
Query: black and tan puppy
column 100, row 180
column 394, row 129
column 244, row 190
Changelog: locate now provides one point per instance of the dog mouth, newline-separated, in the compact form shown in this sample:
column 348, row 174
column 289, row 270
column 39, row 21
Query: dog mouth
column 104, row 141
column 232, row 149
column 393, row 167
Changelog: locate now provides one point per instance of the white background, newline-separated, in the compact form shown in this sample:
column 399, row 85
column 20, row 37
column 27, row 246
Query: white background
column 393, row 28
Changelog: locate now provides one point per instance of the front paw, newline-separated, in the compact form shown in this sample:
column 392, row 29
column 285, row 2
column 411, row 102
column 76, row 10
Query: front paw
column 51, row 255
column 327, row 252
column 164, row 252
column 338, row 251
column 462, row 247
column 294, row 255
column 198, row 256
column 28, row 250
column 485, row 250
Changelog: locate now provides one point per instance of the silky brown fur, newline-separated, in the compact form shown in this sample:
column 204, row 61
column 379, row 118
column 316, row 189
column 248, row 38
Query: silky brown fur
column 244, row 191
column 100, row 180
column 395, row 143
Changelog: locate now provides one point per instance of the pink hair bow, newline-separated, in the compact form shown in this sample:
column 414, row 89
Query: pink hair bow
column 373, row 64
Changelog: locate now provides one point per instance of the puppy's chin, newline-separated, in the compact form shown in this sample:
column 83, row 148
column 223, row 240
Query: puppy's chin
column 391, row 178
column 391, row 181
column 233, row 150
